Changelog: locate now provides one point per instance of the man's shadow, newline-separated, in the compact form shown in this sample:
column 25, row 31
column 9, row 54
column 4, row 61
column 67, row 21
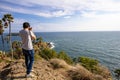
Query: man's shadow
column 19, row 77
column 7, row 71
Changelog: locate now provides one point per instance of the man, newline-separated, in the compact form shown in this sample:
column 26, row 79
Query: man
column 27, row 48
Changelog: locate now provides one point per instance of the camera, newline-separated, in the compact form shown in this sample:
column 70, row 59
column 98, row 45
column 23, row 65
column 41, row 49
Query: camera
column 30, row 28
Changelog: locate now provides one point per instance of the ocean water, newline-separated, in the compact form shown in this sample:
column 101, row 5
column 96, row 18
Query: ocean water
column 103, row 46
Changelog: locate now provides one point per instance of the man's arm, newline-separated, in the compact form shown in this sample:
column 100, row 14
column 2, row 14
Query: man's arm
column 33, row 37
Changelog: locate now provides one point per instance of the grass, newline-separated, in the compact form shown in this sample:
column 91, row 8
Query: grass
column 59, row 63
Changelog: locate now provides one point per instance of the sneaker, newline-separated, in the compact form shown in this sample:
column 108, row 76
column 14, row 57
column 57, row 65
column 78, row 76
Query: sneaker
column 32, row 70
column 30, row 75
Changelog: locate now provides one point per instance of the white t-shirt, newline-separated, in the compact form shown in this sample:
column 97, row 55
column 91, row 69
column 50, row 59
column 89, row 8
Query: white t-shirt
column 26, row 39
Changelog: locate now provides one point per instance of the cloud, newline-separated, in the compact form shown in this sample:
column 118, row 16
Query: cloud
column 106, row 22
column 19, row 21
column 20, row 2
column 56, row 13
column 17, row 25
column 105, row 5
column 99, row 22
column 77, row 15
column 67, row 17
column 50, row 27
column 58, row 8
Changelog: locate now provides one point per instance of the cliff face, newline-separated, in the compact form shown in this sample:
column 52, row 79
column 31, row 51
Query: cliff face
column 42, row 71
column 54, row 69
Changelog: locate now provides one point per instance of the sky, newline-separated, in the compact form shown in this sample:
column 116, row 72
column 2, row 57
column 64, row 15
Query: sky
column 63, row 15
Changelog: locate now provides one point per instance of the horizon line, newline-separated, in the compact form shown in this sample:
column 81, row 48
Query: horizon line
column 66, row 31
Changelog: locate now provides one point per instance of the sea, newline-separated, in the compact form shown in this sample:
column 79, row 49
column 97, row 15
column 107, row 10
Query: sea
column 103, row 46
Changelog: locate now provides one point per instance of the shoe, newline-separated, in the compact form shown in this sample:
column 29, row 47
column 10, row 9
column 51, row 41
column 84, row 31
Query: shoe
column 30, row 76
column 32, row 70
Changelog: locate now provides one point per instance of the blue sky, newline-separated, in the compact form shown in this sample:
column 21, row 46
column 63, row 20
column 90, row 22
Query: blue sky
column 63, row 15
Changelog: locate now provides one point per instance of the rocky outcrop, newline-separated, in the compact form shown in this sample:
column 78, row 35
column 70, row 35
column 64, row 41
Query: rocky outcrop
column 54, row 69
column 42, row 70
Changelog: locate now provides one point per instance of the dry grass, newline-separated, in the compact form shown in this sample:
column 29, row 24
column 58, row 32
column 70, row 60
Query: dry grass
column 78, row 72
column 55, row 69
column 74, row 72
column 104, row 72
column 59, row 63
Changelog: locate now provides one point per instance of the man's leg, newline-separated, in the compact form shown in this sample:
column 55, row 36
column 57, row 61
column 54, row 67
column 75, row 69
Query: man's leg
column 26, row 55
column 31, row 58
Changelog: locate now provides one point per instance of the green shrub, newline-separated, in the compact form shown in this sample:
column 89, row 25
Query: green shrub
column 40, row 39
column 37, row 56
column 0, row 60
column 2, row 56
column 88, row 63
column 64, row 56
column 48, row 54
column 117, row 73
column 17, row 50
column 17, row 53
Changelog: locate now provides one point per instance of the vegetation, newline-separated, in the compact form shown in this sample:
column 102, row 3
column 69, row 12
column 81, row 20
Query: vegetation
column 6, row 20
column 1, row 33
column 93, row 66
column 17, row 51
column 65, row 57
column 117, row 73
column 1, row 56
column 59, row 63
column 48, row 54
column 1, row 27
column 78, row 72
column 40, row 39
column 88, row 63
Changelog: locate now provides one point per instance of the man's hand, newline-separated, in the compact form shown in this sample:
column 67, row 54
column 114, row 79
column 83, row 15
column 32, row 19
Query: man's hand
column 33, row 37
column 30, row 28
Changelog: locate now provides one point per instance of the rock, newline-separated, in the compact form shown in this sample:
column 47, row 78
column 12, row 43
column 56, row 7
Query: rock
column 44, row 70
column 16, row 71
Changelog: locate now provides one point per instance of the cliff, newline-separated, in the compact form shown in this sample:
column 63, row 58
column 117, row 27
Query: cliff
column 50, row 65
column 54, row 69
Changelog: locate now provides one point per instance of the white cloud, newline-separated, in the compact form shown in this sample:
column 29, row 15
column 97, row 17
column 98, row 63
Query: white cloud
column 88, row 14
column 17, row 25
column 52, row 27
column 67, row 17
column 93, row 14
column 54, row 13
column 17, row 9
column 105, row 5
column 106, row 22
column 19, row 21
column 57, row 8
column 20, row 2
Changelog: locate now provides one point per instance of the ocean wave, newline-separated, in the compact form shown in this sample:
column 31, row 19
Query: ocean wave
column 51, row 44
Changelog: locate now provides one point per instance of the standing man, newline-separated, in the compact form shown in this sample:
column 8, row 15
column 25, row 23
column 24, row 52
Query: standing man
column 27, row 48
